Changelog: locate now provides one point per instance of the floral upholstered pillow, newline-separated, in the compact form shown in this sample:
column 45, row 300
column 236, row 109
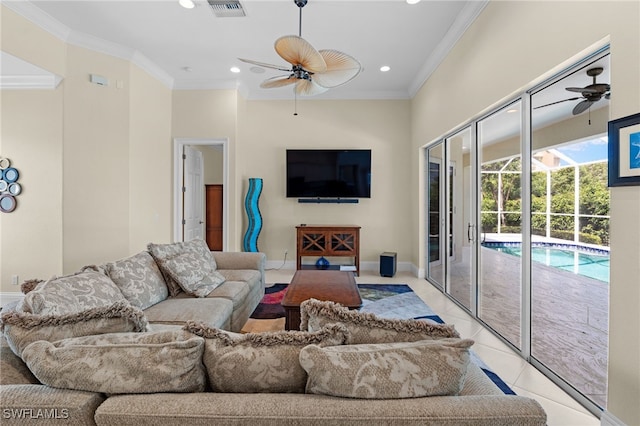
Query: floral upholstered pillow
column 387, row 370
column 366, row 327
column 260, row 362
column 165, row 361
column 23, row 328
column 187, row 266
column 139, row 279
column 71, row 294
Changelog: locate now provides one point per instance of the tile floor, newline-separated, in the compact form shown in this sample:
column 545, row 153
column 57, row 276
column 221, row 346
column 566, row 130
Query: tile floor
column 524, row 379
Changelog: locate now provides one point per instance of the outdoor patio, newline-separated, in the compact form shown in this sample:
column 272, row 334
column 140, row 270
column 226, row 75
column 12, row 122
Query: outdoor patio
column 569, row 322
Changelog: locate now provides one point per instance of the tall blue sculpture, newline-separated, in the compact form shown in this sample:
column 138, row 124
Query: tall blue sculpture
column 250, row 242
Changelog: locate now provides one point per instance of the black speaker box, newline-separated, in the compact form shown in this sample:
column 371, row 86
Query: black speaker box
column 388, row 264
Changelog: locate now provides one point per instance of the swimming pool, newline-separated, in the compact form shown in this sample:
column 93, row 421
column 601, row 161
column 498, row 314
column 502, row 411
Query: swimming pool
column 592, row 263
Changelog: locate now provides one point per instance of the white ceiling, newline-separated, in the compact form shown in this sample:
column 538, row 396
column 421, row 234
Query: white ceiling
column 165, row 38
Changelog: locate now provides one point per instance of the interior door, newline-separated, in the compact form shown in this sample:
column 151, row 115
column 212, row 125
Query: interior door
column 214, row 216
column 193, row 194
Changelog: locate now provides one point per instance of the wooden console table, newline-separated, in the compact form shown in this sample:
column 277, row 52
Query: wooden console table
column 328, row 240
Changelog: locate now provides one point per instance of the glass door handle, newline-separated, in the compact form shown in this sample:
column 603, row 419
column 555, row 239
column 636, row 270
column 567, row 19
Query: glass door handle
column 469, row 233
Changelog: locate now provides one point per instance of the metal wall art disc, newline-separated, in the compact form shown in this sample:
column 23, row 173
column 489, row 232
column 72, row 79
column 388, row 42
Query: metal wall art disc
column 14, row 188
column 9, row 187
column 7, row 203
column 10, row 175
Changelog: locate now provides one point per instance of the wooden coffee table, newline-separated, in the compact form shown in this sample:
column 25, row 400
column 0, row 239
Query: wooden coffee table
column 334, row 286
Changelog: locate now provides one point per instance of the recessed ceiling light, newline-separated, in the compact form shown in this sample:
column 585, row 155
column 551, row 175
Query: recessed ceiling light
column 385, row 68
column 234, row 69
column 413, row 1
column 187, row 4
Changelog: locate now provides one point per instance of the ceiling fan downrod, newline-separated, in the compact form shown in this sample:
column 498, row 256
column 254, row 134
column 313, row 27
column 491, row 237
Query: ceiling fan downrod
column 300, row 4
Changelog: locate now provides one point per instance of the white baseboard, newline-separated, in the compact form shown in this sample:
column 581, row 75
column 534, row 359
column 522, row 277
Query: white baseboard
column 608, row 419
column 8, row 297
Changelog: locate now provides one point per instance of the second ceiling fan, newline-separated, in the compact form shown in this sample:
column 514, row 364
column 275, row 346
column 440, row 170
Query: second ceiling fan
column 312, row 71
column 590, row 94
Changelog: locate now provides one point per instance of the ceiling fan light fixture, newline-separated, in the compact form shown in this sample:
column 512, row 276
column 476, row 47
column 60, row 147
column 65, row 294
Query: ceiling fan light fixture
column 187, row 4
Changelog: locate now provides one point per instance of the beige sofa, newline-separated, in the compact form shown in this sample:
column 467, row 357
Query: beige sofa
column 24, row 400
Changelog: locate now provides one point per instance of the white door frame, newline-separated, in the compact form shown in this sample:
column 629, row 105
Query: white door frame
column 178, row 170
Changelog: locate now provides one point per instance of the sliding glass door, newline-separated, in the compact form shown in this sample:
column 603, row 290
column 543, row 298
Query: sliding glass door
column 461, row 218
column 518, row 231
column 499, row 295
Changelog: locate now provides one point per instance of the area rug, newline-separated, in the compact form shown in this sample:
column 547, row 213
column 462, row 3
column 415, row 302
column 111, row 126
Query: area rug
column 384, row 300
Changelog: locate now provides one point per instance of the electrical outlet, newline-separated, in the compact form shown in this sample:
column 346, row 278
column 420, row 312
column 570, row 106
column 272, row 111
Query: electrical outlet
column 14, row 279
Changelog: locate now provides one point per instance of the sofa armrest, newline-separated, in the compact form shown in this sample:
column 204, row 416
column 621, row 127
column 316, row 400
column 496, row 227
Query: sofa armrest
column 39, row 405
column 240, row 260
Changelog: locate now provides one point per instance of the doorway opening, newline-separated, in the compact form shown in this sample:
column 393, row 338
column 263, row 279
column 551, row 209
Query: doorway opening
column 180, row 183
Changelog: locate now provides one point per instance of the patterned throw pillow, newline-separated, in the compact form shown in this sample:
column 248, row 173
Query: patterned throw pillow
column 366, row 327
column 260, row 362
column 166, row 361
column 187, row 266
column 71, row 294
column 387, row 370
column 139, row 279
column 23, row 328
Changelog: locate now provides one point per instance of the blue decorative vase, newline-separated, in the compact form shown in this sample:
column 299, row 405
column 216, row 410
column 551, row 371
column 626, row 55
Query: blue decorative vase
column 322, row 263
column 250, row 241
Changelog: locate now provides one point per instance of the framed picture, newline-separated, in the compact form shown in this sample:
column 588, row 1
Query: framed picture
column 624, row 151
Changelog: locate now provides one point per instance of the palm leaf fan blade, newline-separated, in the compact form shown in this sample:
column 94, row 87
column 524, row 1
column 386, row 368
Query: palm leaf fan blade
column 264, row 65
column 278, row 82
column 298, row 51
column 308, row 88
column 581, row 107
column 341, row 68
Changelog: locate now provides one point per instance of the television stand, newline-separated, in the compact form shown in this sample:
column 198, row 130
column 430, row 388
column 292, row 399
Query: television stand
column 328, row 241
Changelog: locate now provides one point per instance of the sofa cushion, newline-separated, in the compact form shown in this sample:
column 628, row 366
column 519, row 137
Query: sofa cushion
column 121, row 362
column 260, row 362
column 164, row 252
column 22, row 328
column 213, row 312
column 13, row 371
column 71, row 294
column 24, row 405
column 387, row 370
column 366, row 327
column 193, row 272
column 139, row 279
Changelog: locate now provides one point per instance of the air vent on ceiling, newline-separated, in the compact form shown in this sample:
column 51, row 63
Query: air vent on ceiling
column 227, row 8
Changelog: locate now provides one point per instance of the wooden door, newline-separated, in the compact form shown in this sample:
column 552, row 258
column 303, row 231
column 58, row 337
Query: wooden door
column 214, row 217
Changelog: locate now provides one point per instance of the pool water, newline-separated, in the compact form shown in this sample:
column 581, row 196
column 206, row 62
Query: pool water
column 588, row 264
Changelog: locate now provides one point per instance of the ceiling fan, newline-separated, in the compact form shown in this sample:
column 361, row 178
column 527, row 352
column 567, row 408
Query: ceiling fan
column 312, row 71
column 590, row 94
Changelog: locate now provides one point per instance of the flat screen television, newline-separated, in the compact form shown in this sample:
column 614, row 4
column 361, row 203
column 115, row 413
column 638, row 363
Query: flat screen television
column 329, row 173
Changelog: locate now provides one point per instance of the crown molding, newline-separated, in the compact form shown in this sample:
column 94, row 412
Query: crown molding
column 463, row 21
column 26, row 82
column 77, row 38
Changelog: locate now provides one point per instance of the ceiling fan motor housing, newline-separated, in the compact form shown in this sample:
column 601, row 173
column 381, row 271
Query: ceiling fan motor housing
column 300, row 3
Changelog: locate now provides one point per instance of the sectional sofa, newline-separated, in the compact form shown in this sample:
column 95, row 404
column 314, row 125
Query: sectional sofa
column 154, row 339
